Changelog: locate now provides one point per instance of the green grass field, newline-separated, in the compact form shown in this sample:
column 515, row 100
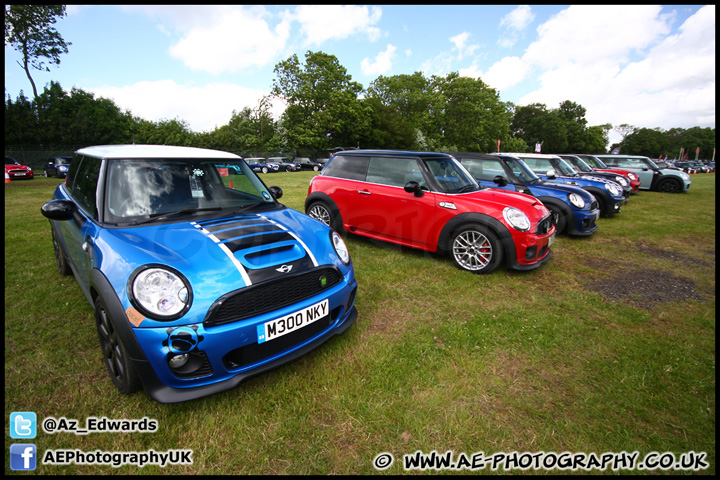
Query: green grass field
column 608, row 347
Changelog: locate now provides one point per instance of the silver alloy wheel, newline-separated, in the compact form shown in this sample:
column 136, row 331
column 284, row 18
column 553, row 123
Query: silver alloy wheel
column 472, row 250
column 320, row 212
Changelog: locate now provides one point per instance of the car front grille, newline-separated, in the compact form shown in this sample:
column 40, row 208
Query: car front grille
column 271, row 295
column 545, row 225
column 256, row 352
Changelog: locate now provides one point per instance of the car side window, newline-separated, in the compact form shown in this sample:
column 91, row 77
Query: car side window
column 350, row 167
column 84, row 187
column 393, row 171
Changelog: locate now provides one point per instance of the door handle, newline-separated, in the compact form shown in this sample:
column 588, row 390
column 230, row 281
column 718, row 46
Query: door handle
column 364, row 192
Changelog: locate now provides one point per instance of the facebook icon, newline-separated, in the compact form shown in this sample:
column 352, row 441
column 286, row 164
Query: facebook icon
column 23, row 456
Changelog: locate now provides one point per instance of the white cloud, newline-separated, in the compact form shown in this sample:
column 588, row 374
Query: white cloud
column 515, row 22
column 590, row 33
column 382, row 63
column 460, row 42
column 204, row 108
column 239, row 39
column 320, row 23
column 506, row 73
column 621, row 64
column 518, row 19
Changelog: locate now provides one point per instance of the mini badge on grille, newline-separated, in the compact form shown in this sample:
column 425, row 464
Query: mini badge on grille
column 284, row 269
column 323, row 281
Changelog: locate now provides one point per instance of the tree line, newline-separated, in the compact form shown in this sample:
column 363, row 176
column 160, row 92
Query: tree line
column 327, row 109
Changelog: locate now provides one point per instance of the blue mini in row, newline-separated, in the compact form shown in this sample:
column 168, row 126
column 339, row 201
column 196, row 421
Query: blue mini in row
column 575, row 210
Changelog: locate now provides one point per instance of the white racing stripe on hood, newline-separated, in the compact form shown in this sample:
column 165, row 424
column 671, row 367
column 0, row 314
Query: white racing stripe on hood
column 227, row 251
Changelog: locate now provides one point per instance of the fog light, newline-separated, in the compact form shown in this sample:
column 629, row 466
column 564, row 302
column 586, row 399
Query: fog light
column 178, row 361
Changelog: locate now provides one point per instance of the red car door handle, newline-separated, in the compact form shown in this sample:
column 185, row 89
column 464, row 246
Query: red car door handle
column 364, row 192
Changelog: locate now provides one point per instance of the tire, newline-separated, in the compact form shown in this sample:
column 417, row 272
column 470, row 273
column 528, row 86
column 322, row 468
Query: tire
column 321, row 211
column 475, row 248
column 316, row 168
column 668, row 185
column 264, row 170
column 122, row 373
column 62, row 263
column 561, row 222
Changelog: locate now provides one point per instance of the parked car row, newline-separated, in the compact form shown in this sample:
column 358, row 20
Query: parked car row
column 200, row 278
column 284, row 164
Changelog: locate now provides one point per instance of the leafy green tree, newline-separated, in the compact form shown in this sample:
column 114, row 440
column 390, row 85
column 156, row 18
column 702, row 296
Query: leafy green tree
column 646, row 141
column 29, row 30
column 595, row 139
column 413, row 97
column 78, row 118
column 535, row 124
column 323, row 108
column 388, row 128
column 473, row 117
column 20, row 121
column 572, row 116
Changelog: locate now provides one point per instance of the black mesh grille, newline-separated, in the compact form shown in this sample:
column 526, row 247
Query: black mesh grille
column 268, row 296
column 545, row 225
column 256, row 352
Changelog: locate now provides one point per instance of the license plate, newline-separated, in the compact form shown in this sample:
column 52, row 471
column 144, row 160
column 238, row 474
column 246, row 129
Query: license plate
column 291, row 323
column 551, row 239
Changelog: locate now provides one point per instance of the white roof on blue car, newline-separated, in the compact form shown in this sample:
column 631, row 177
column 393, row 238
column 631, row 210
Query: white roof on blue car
column 152, row 151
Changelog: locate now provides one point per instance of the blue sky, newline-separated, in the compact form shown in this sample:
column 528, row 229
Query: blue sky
column 644, row 65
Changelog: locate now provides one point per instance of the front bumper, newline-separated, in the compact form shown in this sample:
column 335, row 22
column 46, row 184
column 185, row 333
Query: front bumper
column 225, row 355
column 583, row 222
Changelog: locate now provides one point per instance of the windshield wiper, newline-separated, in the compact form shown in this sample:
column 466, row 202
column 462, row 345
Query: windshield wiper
column 185, row 211
column 466, row 188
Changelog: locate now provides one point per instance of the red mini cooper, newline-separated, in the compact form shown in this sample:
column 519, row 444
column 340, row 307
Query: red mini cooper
column 429, row 201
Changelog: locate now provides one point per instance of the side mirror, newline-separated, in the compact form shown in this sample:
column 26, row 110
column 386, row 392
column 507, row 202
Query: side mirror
column 551, row 174
column 500, row 180
column 276, row 192
column 58, row 210
column 414, row 187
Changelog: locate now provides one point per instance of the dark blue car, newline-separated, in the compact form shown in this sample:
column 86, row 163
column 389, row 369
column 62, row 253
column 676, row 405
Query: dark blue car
column 199, row 278
column 575, row 210
column 554, row 169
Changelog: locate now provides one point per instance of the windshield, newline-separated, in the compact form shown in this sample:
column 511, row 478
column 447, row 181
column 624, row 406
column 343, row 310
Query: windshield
column 582, row 165
column 565, row 168
column 652, row 164
column 521, row 170
column 140, row 189
column 450, row 175
column 595, row 162
column 61, row 161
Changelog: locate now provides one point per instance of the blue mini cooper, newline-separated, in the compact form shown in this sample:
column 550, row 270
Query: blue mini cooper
column 574, row 209
column 199, row 278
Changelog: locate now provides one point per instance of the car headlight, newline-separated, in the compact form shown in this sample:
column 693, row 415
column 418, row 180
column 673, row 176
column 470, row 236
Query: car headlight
column 613, row 189
column 621, row 181
column 576, row 200
column 632, row 176
column 517, row 219
column 159, row 292
column 340, row 247
column 685, row 176
column 62, row 169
